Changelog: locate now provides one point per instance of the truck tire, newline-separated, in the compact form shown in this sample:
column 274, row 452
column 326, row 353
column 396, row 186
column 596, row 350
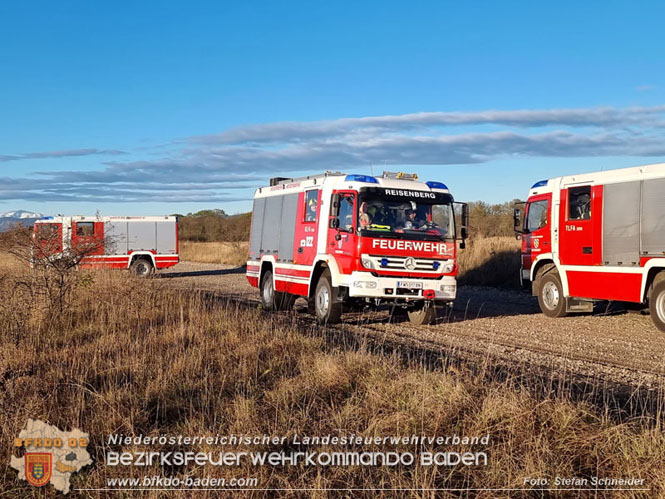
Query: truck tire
column 550, row 295
column 142, row 267
column 657, row 305
column 271, row 299
column 423, row 314
column 328, row 309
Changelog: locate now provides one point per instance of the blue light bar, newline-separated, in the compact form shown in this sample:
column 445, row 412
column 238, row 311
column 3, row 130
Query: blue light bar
column 539, row 184
column 436, row 185
column 361, row 178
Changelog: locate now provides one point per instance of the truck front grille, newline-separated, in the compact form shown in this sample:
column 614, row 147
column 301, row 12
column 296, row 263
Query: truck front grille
column 398, row 263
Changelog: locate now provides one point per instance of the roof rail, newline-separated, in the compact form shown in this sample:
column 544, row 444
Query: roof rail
column 285, row 180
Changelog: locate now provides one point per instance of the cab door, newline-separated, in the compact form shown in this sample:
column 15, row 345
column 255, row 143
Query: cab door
column 537, row 235
column 342, row 235
column 307, row 224
column 580, row 237
column 88, row 237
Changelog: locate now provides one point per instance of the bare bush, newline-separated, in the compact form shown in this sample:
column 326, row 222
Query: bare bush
column 53, row 263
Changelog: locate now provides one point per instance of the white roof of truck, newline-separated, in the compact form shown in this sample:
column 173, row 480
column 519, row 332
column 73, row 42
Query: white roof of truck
column 656, row 170
column 340, row 180
column 93, row 218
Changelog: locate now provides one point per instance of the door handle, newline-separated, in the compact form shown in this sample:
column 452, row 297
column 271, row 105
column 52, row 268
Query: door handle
column 587, row 250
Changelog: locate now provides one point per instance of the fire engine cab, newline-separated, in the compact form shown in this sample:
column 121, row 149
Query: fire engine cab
column 340, row 240
column 141, row 244
column 596, row 236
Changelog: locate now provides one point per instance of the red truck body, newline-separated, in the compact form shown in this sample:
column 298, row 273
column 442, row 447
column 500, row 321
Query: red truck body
column 339, row 239
column 596, row 236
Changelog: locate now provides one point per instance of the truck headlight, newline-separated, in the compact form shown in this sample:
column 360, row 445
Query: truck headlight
column 368, row 263
column 448, row 288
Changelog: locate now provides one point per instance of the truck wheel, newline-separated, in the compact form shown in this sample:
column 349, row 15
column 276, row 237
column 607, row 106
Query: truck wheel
column 657, row 305
column 142, row 267
column 423, row 314
column 328, row 309
column 550, row 295
column 271, row 299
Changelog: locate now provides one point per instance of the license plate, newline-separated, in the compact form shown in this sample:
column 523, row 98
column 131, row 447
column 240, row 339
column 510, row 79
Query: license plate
column 409, row 285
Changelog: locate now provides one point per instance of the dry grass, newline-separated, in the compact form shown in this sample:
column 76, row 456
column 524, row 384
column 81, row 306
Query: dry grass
column 224, row 253
column 490, row 261
column 134, row 357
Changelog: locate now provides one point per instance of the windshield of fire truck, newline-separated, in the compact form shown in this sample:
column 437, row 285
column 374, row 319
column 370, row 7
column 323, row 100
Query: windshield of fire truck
column 406, row 214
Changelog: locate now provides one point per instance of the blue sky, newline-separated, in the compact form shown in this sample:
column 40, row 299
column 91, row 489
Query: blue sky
column 163, row 107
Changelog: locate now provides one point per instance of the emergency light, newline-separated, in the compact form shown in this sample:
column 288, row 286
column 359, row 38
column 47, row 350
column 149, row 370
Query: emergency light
column 361, row 178
column 539, row 184
column 436, row 185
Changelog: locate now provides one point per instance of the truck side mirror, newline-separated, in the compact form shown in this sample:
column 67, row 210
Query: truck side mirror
column 335, row 205
column 517, row 222
column 464, row 223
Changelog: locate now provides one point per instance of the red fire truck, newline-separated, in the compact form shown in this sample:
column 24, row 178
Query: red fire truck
column 596, row 236
column 340, row 240
column 141, row 244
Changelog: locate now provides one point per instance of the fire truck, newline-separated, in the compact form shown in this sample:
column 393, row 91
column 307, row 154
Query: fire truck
column 141, row 244
column 343, row 240
column 596, row 236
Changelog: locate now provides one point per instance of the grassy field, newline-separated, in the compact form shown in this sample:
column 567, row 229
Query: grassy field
column 135, row 357
column 486, row 261
column 490, row 261
column 217, row 252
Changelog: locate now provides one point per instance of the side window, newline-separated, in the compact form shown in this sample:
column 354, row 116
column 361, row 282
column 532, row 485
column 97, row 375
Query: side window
column 579, row 203
column 46, row 232
column 85, row 228
column 311, row 205
column 537, row 217
column 345, row 215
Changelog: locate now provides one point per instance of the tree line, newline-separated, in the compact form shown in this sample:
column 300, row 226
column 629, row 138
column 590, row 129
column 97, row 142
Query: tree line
column 213, row 225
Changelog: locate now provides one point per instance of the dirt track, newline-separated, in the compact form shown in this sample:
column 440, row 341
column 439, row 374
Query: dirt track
column 502, row 325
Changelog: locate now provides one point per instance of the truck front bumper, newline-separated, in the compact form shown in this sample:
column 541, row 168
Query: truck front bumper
column 365, row 285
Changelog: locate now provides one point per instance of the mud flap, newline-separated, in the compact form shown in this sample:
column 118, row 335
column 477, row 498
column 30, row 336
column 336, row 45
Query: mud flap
column 579, row 305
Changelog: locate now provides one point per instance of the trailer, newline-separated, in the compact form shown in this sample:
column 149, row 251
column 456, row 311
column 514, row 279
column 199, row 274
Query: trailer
column 141, row 244
column 343, row 240
column 596, row 236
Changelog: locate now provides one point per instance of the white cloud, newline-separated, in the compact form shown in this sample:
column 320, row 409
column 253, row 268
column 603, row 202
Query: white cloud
column 211, row 167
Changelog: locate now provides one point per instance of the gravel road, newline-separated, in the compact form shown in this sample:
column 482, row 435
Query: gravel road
column 488, row 323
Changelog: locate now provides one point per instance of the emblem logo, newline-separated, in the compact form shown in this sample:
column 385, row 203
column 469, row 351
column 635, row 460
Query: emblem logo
column 410, row 263
column 536, row 243
column 51, row 455
column 38, row 468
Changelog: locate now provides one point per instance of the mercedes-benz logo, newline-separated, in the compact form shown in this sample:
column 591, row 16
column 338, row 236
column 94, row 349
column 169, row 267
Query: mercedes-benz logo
column 410, row 263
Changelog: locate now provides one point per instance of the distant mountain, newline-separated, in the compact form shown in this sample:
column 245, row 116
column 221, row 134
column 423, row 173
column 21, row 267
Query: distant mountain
column 20, row 214
column 10, row 218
